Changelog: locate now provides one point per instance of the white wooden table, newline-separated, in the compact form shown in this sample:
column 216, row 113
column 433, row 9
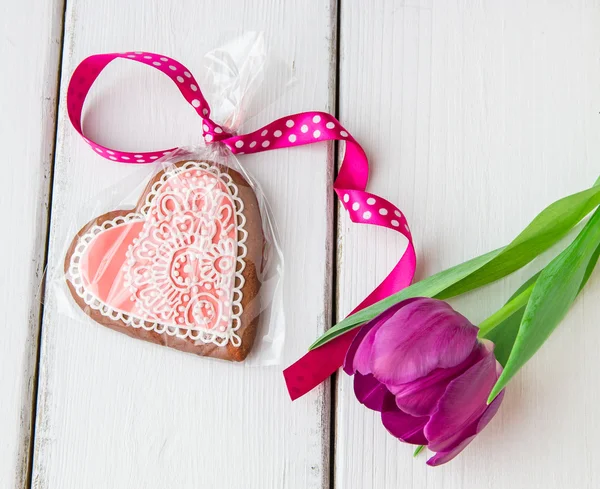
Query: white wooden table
column 474, row 114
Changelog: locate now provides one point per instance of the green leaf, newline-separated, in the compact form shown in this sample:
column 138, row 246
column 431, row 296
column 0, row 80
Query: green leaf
column 553, row 294
column 503, row 334
column 519, row 301
column 428, row 287
column 591, row 266
column 418, row 450
column 552, row 224
column 543, row 232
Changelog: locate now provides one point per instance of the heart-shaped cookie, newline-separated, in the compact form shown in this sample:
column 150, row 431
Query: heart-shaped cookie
column 181, row 268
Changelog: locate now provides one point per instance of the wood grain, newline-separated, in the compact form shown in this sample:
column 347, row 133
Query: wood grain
column 120, row 413
column 475, row 116
column 30, row 33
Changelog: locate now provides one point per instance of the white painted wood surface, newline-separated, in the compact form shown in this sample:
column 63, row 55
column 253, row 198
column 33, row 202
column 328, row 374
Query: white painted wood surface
column 29, row 49
column 120, row 413
column 475, row 115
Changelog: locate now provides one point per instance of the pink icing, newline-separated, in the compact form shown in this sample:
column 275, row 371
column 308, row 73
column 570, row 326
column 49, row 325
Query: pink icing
column 102, row 265
column 174, row 263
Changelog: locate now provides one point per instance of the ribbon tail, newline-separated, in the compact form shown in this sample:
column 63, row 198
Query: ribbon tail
column 317, row 365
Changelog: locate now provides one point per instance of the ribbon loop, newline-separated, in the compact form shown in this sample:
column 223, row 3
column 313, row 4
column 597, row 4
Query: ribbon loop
column 294, row 130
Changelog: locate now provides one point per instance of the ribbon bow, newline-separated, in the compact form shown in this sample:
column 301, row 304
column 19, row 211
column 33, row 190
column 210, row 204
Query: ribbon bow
column 294, row 130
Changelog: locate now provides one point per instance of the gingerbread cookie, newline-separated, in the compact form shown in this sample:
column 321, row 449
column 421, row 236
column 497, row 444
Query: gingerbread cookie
column 181, row 269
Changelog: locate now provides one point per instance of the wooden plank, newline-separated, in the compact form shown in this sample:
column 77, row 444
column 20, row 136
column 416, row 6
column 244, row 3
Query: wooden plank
column 475, row 116
column 115, row 412
column 30, row 34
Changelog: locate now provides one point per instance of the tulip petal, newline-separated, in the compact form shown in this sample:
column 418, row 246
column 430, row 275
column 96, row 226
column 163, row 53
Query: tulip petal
column 420, row 397
column 358, row 357
column 351, row 353
column 418, row 338
column 349, row 360
column 405, row 427
column 369, row 391
column 464, row 401
column 362, row 356
column 468, row 435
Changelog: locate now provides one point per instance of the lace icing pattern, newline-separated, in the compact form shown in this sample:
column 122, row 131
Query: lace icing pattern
column 184, row 272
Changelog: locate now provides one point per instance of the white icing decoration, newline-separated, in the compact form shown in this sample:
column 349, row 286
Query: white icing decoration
column 187, row 230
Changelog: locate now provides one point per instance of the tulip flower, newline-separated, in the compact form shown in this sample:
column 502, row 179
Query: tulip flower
column 421, row 365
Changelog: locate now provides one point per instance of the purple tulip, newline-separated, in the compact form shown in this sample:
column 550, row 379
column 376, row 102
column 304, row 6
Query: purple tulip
column 420, row 364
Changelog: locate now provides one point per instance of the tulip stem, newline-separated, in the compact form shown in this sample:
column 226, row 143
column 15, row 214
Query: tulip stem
column 418, row 450
column 512, row 306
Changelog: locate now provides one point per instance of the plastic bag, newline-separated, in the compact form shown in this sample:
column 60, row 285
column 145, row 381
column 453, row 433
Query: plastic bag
column 189, row 258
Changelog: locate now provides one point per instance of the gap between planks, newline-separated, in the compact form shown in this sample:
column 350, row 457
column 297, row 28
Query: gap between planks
column 335, row 96
column 40, row 310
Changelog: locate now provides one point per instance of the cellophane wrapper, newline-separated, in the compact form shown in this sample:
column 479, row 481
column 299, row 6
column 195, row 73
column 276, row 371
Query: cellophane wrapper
column 184, row 253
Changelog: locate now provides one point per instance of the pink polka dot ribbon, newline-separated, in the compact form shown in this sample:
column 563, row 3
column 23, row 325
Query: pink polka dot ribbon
column 294, row 130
